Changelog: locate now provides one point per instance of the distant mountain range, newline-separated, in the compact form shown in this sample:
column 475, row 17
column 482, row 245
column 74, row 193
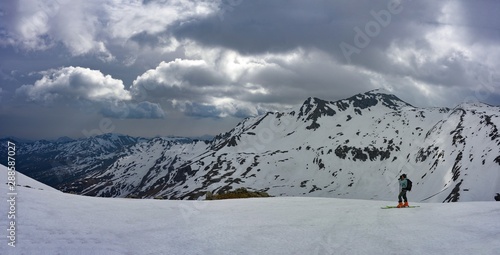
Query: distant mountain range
column 351, row 148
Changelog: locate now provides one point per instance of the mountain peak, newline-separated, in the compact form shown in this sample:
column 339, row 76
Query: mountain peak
column 313, row 101
column 380, row 91
column 314, row 108
column 373, row 97
column 361, row 100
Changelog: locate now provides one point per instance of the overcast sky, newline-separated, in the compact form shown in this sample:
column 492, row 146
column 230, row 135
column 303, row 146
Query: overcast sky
column 189, row 68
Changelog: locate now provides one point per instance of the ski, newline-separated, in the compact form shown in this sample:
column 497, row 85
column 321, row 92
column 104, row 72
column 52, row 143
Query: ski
column 393, row 206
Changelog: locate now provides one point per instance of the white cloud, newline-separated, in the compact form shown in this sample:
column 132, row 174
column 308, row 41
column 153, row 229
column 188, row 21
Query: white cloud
column 202, row 87
column 219, row 82
column 127, row 18
column 83, row 87
column 94, row 27
column 74, row 83
column 219, row 108
column 182, row 74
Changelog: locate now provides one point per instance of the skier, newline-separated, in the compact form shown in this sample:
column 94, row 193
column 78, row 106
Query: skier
column 403, row 183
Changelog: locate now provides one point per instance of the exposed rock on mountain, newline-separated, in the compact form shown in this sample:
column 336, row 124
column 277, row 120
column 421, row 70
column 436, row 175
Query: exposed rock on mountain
column 352, row 148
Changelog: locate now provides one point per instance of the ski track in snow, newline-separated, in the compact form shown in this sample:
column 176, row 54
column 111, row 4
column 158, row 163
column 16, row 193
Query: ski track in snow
column 51, row 222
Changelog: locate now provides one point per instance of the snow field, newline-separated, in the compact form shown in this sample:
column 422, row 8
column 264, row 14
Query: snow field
column 56, row 223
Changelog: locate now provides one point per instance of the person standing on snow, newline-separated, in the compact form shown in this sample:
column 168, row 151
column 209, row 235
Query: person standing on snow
column 403, row 184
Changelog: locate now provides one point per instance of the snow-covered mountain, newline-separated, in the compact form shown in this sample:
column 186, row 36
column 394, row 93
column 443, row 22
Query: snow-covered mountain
column 352, row 148
column 62, row 161
column 65, row 159
column 142, row 164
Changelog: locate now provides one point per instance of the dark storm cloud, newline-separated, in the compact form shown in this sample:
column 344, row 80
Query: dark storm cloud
column 219, row 60
column 178, row 79
column 127, row 110
column 376, row 33
column 201, row 111
column 256, row 27
column 313, row 71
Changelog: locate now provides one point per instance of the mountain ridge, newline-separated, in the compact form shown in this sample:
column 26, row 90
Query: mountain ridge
column 350, row 148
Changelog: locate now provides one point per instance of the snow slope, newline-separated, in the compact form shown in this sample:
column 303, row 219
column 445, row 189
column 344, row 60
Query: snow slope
column 351, row 148
column 24, row 181
column 58, row 223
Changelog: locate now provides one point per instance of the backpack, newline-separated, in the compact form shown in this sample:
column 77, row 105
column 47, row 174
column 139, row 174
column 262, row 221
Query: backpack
column 408, row 184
